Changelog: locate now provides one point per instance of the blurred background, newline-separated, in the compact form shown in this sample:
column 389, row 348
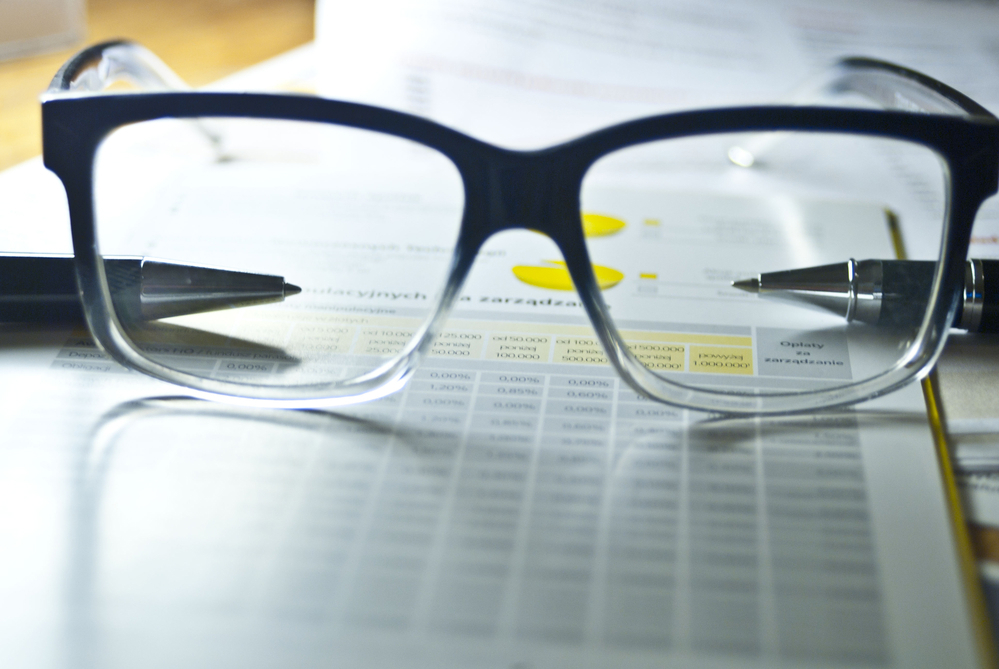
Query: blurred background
column 202, row 40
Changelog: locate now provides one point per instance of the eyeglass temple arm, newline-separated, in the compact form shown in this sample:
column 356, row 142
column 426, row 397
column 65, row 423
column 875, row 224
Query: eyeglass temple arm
column 891, row 86
column 98, row 67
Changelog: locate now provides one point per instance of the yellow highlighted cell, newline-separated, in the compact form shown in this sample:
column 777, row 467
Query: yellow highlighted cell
column 579, row 351
column 685, row 338
column 382, row 341
column 648, row 275
column 600, row 225
column 518, row 347
column 458, row 344
column 663, row 357
column 721, row 359
column 651, row 221
column 557, row 276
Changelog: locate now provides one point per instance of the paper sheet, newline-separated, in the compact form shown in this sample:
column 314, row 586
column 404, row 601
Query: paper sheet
column 529, row 73
column 509, row 530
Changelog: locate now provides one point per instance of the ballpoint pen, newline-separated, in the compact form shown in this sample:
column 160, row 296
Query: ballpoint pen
column 883, row 292
column 42, row 288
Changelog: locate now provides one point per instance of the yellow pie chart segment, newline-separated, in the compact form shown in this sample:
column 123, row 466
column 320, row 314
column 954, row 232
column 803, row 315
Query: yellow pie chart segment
column 600, row 225
column 556, row 277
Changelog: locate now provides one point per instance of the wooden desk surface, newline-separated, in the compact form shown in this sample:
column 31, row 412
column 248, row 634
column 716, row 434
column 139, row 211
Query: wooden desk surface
column 202, row 40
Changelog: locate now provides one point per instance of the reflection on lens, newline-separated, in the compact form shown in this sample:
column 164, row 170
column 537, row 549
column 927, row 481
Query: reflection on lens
column 260, row 257
column 701, row 214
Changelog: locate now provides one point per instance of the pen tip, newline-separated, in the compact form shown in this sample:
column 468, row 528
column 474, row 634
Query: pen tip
column 291, row 289
column 748, row 285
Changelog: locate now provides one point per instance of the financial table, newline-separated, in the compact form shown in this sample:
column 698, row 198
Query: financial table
column 547, row 502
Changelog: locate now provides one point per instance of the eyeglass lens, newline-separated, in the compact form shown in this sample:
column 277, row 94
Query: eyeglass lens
column 365, row 224
column 684, row 219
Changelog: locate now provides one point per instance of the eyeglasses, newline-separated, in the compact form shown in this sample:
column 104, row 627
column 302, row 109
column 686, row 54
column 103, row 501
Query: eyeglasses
column 378, row 216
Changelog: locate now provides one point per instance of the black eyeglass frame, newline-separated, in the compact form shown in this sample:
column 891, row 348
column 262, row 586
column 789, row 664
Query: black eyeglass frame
column 506, row 189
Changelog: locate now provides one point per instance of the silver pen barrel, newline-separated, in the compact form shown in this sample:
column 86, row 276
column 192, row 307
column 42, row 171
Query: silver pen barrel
column 853, row 289
column 892, row 293
column 147, row 289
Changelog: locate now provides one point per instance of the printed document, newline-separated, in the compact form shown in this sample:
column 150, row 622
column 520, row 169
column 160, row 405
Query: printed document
column 516, row 504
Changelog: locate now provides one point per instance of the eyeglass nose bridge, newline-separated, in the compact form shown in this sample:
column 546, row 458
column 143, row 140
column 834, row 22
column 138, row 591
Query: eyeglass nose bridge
column 528, row 190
